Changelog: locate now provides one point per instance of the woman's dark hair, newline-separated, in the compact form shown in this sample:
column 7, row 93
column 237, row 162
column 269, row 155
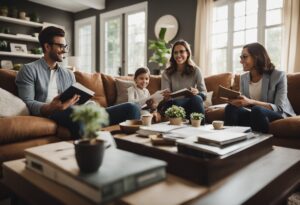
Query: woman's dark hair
column 190, row 65
column 262, row 61
column 140, row 71
column 47, row 35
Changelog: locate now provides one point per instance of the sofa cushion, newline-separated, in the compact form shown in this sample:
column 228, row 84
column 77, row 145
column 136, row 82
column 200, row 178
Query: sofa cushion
column 11, row 105
column 94, row 82
column 7, row 80
column 212, row 84
column 13, row 129
column 122, row 93
column 154, row 83
column 286, row 128
column 293, row 82
column 110, row 89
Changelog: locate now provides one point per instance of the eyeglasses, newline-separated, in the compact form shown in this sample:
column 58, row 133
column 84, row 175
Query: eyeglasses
column 64, row 47
column 244, row 57
column 179, row 52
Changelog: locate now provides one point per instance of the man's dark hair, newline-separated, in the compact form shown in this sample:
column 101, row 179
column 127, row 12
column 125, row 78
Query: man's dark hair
column 47, row 35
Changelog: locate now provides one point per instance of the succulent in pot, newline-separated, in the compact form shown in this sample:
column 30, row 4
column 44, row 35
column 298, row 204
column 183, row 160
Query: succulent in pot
column 89, row 150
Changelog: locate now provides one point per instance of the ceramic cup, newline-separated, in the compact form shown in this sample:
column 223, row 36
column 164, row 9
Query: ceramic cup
column 22, row 15
column 146, row 119
column 218, row 124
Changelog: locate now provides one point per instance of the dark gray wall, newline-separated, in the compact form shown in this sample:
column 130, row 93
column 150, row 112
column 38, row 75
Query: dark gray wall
column 183, row 10
column 46, row 14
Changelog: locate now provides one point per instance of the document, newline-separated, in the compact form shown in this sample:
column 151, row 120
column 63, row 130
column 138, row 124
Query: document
column 78, row 89
column 156, row 97
column 183, row 92
column 228, row 93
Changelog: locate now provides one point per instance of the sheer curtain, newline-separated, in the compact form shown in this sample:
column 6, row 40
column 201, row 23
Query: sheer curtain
column 203, row 28
column 291, row 37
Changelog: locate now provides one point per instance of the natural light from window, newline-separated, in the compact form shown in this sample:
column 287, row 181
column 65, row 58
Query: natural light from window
column 239, row 22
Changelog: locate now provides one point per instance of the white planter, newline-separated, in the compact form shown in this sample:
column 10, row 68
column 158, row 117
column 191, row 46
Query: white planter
column 176, row 121
column 195, row 123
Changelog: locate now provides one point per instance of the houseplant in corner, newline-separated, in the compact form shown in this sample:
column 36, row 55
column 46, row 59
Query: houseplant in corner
column 161, row 52
column 176, row 114
column 196, row 119
column 89, row 150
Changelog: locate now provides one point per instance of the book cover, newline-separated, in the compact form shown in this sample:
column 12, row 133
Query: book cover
column 79, row 89
column 228, row 93
column 121, row 172
column 221, row 138
column 183, row 92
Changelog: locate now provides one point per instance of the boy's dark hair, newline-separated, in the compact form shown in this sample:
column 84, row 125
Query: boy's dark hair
column 47, row 35
column 140, row 71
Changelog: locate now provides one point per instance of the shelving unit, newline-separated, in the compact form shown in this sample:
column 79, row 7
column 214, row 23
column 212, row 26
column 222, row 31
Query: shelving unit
column 23, row 55
column 20, row 21
column 21, row 38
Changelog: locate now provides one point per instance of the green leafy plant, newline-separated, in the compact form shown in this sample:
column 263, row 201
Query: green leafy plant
column 175, row 112
column 94, row 117
column 160, row 49
column 196, row 116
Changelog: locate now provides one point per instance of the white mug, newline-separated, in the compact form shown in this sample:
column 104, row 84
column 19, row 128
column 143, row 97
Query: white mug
column 218, row 124
column 146, row 119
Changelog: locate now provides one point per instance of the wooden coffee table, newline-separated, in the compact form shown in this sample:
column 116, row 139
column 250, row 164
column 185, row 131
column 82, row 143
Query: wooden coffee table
column 268, row 180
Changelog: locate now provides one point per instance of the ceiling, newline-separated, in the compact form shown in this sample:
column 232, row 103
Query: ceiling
column 72, row 5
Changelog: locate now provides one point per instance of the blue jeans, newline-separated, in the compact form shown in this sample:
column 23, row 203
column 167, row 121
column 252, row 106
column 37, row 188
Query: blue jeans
column 190, row 105
column 117, row 114
column 258, row 118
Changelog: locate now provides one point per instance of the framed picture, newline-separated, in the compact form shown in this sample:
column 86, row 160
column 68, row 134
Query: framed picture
column 6, row 64
column 18, row 48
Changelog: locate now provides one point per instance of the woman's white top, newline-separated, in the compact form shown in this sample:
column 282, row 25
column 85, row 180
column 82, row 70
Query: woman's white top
column 255, row 90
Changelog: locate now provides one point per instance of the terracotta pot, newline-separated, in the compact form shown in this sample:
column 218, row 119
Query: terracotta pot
column 195, row 123
column 176, row 121
column 89, row 155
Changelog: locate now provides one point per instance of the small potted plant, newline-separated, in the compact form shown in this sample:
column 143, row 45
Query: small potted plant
column 176, row 114
column 89, row 150
column 196, row 119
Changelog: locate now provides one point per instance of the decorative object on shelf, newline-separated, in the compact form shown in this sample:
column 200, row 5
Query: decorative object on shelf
column 3, row 10
column 14, row 12
column 18, row 48
column 4, row 30
column 35, row 35
column 17, row 67
column 7, row 64
column 27, row 18
column 161, row 52
column 34, row 17
column 170, row 23
column 22, row 15
column 196, row 119
column 4, row 45
column 89, row 150
column 176, row 114
column 38, row 50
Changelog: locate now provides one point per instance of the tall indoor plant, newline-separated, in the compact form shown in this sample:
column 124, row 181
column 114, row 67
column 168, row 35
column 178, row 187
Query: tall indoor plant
column 89, row 150
column 161, row 52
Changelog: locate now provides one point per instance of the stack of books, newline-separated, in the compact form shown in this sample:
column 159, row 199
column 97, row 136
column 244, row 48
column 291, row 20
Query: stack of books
column 121, row 172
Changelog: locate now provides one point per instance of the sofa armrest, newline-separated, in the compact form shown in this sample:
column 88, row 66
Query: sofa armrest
column 286, row 128
column 19, row 128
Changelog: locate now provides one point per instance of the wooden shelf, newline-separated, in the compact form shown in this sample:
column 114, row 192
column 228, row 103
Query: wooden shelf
column 21, row 38
column 23, row 55
column 20, row 21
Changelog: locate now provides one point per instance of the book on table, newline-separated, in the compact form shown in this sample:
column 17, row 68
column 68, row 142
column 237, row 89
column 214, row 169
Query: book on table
column 228, row 93
column 186, row 92
column 78, row 89
column 121, row 172
column 221, row 139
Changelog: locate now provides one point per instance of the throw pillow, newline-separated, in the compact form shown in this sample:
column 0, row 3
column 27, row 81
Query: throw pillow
column 208, row 101
column 11, row 105
column 122, row 86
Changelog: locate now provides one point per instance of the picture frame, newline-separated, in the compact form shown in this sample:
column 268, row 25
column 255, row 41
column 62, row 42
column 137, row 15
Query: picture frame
column 18, row 48
column 7, row 64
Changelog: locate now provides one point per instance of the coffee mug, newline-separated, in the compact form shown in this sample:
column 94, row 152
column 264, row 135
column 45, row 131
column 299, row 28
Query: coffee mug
column 218, row 124
column 146, row 119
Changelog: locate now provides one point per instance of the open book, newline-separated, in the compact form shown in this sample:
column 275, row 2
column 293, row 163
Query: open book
column 79, row 89
column 228, row 93
column 156, row 97
column 182, row 92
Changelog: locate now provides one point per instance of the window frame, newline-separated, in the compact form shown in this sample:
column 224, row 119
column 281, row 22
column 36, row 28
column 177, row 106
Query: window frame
column 77, row 25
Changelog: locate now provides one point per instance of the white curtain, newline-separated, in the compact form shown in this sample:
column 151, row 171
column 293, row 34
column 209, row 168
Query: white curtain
column 202, row 50
column 291, row 45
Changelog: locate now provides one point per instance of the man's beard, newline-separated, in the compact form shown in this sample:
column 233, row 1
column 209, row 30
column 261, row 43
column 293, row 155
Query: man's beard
column 55, row 57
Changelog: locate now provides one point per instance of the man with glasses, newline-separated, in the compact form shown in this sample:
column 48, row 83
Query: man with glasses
column 41, row 82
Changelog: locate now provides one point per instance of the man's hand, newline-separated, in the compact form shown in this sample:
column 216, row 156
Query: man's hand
column 57, row 105
column 241, row 101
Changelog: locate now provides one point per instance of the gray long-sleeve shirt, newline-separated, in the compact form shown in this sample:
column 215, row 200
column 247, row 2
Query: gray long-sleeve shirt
column 33, row 80
column 177, row 81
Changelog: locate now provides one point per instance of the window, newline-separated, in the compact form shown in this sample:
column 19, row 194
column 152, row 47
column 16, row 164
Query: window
column 123, row 46
column 245, row 21
column 85, row 43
